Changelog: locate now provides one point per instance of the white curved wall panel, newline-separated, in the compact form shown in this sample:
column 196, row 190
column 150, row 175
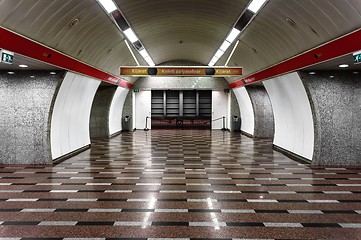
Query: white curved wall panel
column 143, row 108
column 294, row 129
column 116, row 110
column 220, row 108
column 246, row 109
column 71, row 114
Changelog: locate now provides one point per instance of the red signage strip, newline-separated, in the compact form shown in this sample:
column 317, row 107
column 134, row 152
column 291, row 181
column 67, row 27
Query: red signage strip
column 339, row 47
column 181, row 71
column 24, row 46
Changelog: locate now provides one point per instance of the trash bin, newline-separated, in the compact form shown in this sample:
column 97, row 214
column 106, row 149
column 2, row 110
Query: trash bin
column 236, row 123
column 126, row 123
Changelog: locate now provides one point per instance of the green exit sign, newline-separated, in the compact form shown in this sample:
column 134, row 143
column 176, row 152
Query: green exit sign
column 7, row 57
column 357, row 57
column 136, row 90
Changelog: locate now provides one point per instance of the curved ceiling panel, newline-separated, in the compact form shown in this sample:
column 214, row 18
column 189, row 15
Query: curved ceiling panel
column 201, row 26
column 190, row 30
column 94, row 39
column 270, row 39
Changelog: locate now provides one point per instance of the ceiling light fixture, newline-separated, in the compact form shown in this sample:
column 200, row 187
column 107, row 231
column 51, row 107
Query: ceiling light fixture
column 52, row 73
column 131, row 51
column 23, row 66
column 11, row 73
column 230, row 55
column 119, row 20
column 108, row 5
column 256, row 5
column 312, row 73
column 344, row 66
column 246, row 17
column 129, row 33
column 233, row 35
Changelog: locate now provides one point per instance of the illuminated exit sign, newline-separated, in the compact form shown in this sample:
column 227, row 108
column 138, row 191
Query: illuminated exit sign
column 7, row 57
column 357, row 57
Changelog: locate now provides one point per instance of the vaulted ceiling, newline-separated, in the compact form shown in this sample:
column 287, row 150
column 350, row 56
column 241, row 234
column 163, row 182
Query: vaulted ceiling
column 190, row 30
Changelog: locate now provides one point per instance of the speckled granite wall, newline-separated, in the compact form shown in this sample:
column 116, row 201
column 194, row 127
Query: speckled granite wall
column 25, row 114
column 128, row 109
column 263, row 113
column 234, row 111
column 99, row 116
column 335, row 103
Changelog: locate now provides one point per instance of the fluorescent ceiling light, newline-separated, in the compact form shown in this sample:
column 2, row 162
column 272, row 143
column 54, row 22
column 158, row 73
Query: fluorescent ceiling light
column 213, row 61
column 225, row 46
column 149, row 61
column 219, row 53
column 144, row 53
column 52, row 73
column 130, row 35
column 23, row 66
column 11, row 73
column 233, row 35
column 312, row 73
column 256, row 5
column 108, row 5
column 343, row 66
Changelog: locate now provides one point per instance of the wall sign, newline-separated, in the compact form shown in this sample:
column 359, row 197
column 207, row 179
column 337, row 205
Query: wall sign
column 357, row 57
column 7, row 57
column 181, row 71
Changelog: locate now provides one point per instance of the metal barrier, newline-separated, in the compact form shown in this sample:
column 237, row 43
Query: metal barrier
column 146, row 124
column 179, row 122
column 223, row 122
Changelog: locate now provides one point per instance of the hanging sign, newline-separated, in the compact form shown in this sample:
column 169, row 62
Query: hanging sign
column 181, row 71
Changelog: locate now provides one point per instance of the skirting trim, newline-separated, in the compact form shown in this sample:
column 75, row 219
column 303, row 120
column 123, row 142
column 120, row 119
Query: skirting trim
column 291, row 155
column 71, row 154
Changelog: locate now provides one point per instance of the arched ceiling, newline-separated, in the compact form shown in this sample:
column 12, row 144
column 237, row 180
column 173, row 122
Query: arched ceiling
column 172, row 30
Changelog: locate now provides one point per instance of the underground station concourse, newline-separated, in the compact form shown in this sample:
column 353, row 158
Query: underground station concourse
column 180, row 119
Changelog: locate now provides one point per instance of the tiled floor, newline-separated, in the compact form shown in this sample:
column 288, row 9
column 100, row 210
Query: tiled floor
column 180, row 185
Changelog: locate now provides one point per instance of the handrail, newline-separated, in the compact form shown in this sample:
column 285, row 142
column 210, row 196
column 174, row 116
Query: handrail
column 223, row 122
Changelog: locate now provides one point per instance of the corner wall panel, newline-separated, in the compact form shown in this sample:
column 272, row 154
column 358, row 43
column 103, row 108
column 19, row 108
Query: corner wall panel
column 246, row 109
column 71, row 114
column 116, row 110
column 294, row 130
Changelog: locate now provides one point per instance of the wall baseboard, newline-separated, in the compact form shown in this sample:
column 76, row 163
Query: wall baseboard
column 115, row 134
column 71, row 154
column 247, row 134
column 291, row 155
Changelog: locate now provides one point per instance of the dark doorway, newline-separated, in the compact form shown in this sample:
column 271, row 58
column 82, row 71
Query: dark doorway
column 181, row 109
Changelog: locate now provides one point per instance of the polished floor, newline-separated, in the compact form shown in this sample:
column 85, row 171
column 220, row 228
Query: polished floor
column 191, row 184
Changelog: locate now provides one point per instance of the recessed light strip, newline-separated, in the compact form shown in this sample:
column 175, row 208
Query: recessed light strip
column 108, row 5
column 230, row 55
column 118, row 18
column 131, row 52
column 246, row 17
column 256, row 5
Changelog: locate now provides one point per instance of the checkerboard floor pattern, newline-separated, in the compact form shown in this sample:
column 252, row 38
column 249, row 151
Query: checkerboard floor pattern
column 190, row 184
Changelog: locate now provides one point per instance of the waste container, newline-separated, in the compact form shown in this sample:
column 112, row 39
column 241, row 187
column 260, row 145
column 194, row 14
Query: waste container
column 236, row 123
column 126, row 123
